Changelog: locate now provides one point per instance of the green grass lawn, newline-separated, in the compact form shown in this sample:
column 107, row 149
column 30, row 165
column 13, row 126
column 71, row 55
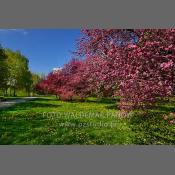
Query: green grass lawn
column 49, row 121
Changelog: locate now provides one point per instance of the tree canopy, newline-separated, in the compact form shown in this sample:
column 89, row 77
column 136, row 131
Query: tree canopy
column 137, row 65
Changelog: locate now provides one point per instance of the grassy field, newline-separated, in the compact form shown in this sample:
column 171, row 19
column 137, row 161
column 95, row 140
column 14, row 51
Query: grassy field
column 49, row 121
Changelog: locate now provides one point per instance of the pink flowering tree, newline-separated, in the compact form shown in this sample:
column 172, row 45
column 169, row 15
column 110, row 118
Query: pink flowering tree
column 66, row 83
column 137, row 65
column 142, row 63
column 72, row 82
column 41, row 87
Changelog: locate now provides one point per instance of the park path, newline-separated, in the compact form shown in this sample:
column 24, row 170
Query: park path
column 9, row 103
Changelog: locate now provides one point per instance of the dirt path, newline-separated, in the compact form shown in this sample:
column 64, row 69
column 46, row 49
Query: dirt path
column 8, row 103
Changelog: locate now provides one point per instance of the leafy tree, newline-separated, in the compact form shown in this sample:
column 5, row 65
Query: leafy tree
column 137, row 65
column 35, row 79
column 19, row 75
column 143, row 62
column 66, row 83
column 3, row 70
column 28, row 82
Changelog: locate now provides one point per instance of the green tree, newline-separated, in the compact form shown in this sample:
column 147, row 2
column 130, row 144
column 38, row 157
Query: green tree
column 28, row 82
column 35, row 79
column 18, row 70
column 3, row 70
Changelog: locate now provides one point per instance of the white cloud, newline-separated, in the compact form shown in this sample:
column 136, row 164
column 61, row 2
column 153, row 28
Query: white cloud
column 55, row 70
column 22, row 31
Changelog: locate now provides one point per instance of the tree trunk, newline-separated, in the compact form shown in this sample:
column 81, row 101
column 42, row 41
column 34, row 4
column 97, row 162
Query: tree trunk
column 6, row 91
column 29, row 93
column 10, row 91
column 14, row 92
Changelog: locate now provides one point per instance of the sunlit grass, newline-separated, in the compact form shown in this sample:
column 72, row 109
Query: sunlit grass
column 47, row 120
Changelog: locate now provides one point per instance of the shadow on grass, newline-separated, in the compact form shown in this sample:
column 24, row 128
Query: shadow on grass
column 46, row 99
column 150, row 127
column 110, row 102
column 164, row 109
column 103, row 100
column 146, row 129
column 113, row 107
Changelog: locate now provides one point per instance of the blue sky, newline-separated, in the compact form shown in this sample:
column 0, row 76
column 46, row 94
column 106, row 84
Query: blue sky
column 45, row 48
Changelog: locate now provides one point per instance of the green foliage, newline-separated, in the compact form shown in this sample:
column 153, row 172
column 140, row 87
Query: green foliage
column 18, row 69
column 3, row 69
column 15, row 74
column 35, row 79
